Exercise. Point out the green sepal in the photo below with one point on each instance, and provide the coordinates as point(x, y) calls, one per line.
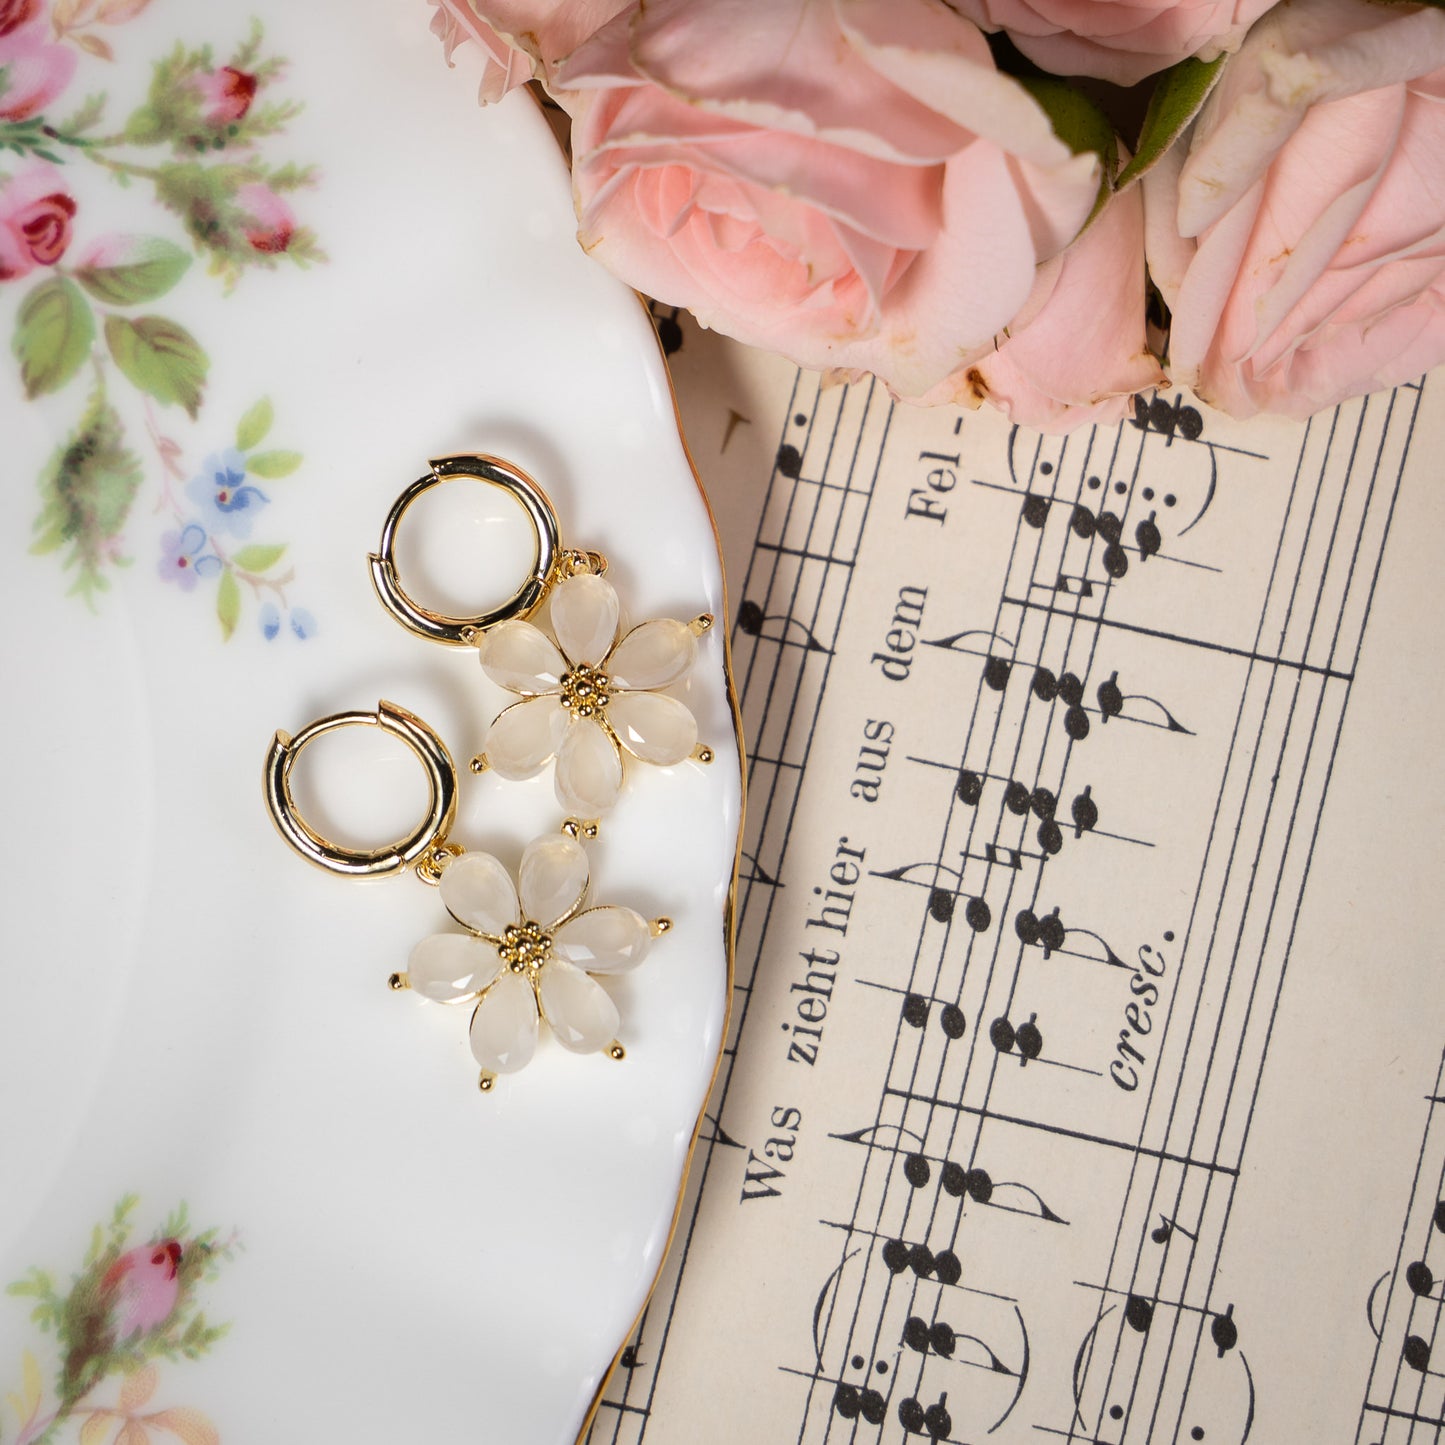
point(1178, 94)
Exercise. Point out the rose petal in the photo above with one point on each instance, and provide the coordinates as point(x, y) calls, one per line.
point(582, 1015)
point(654, 728)
point(589, 770)
point(451, 967)
point(553, 878)
point(477, 891)
point(654, 654)
point(519, 657)
point(525, 735)
point(584, 617)
point(504, 1027)
point(603, 940)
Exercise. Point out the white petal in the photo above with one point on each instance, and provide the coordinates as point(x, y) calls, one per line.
point(504, 1027)
point(525, 735)
point(584, 617)
point(654, 728)
point(477, 891)
point(552, 878)
point(519, 657)
point(653, 654)
point(449, 967)
point(579, 1010)
point(604, 940)
point(589, 770)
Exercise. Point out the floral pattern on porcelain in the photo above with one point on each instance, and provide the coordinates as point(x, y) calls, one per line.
point(529, 954)
point(82, 324)
point(593, 695)
point(130, 1309)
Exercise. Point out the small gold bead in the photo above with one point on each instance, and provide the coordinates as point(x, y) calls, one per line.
point(398, 981)
point(616, 1051)
point(486, 1082)
point(660, 926)
point(479, 764)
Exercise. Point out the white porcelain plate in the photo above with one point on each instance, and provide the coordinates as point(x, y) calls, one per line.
point(255, 274)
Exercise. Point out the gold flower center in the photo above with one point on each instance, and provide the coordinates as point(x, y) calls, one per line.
point(585, 691)
point(526, 946)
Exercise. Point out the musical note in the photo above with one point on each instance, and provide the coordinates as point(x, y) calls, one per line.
point(1167, 1228)
point(1157, 415)
point(1146, 536)
point(1027, 1038)
point(898, 1256)
point(1036, 509)
point(1224, 1332)
point(789, 461)
point(754, 623)
point(935, 1421)
point(995, 672)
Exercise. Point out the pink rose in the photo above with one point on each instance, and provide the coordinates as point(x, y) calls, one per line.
point(226, 94)
point(32, 70)
point(522, 39)
point(270, 222)
point(1298, 233)
point(15, 13)
point(35, 215)
point(849, 182)
point(141, 1287)
point(1118, 40)
point(1078, 350)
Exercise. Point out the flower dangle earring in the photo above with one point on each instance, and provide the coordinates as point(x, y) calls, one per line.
point(589, 695)
point(529, 950)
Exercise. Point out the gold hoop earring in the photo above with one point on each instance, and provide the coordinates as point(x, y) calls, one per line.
point(529, 950)
point(550, 561)
point(441, 776)
point(591, 693)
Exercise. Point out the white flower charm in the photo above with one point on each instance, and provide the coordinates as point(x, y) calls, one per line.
point(528, 954)
point(589, 695)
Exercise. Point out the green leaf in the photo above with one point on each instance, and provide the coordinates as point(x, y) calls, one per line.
point(252, 428)
point(87, 488)
point(150, 268)
point(160, 357)
point(1076, 120)
point(54, 329)
point(1178, 94)
point(273, 464)
point(228, 603)
point(259, 557)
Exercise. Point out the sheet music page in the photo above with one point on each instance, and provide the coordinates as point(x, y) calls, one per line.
point(1084, 1078)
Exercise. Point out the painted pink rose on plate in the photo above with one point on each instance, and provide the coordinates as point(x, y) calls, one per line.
point(851, 183)
point(1114, 40)
point(15, 13)
point(36, 210)
point(142, 1287)
point(33, 70)
point(1298, 232)
point(226, 94)
point(270, 222)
